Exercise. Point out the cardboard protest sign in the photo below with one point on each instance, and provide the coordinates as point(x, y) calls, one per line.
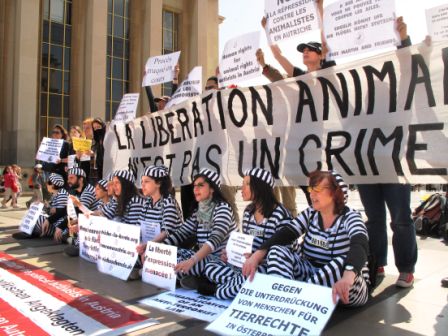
point(158, 268)
point(118, 254)
point(160, 69)
point(354, 27)
point(238, 61)
point(128, 107)
point(188, 303)
point(190, 87)
point(288, 20)
point(276, 306)
point(437, 22)
point(237, 246)
point(82, 145)
point(49, 150)
point(29, 220)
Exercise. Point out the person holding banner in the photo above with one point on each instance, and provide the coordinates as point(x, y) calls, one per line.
point(161, 215)
point(158, 104)
point(262, 218)
point(59, 132)
point(335, 243)
point(77, 133)
point(211, 223)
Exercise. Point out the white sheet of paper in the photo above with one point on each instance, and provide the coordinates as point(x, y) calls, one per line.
point(189, 88)
point(71, 212)
point(437, 22)
point(238, 245)
point(158, 269)
point(49, 150)
point(128, 107)
point(71, 161)
point(160, 69)
point(149, 231)
point(290, 19)
point(238, 61)
point(353, 28)
point(29, 220)
point(89, 236)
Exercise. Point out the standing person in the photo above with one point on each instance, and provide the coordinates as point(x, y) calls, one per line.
point(211, 224)
point(18, 175)
point(160, 211)
point(87, 128)
point(99, 131)
point(158, 104)
point(77, 133)
point(262, 218)
point(335, 243)
point(37, 182)
point(397, 198)
point(59, 132)
point(11, 189)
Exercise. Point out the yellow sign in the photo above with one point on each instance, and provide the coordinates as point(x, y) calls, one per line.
point(82, 145)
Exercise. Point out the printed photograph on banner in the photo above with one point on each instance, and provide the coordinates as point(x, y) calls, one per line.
point(190, 87)
point(82, 145)
point(287, 20)
point(49, 150)
point(276, 306)
point(238, 61)
point(352, 27)
point(158, 268)
point(238, 245)
point(160, 69)
point(128, 107)
point(437, 22)
point(89, 236)
point(188, 303)
point(117, 254)
point(29, 220)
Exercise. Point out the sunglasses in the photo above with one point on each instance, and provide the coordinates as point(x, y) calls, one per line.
point(317, 189)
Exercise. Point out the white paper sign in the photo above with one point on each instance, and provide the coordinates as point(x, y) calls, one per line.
point(29, 220)
point(188, 303)
point(289, 19)
point(49, 150)
point(160, 69)
point(118, 254)
point(353, 27)
point(238, 245)
point(158, 269)
point(71, 212)
point(238, 61)
point(71, 161)
point(89, 236)
point(190, 87)
point(437, 21)
point(276, 306)
point(128, 107)
point(149, 230)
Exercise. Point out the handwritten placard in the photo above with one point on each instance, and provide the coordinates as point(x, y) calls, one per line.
point(160, 69)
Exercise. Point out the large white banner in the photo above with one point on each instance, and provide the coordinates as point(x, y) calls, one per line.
point(354, 27)
point(238, 61)
point(160, 69)
point(118, 254)
point(437, 22)
point(29, 220)
point(289, 19)
point(378, 120)
point(49, 150)
point(190, 87)
point(276, 306)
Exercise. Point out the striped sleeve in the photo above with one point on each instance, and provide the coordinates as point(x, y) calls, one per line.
point(87, 197)
point(171, 217)
point(133, 210)
point(185, 231)
point(300, 223)
point(223, 224)
point(354, 224)
point(109, 209)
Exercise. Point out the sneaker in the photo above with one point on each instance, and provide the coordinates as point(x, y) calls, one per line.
point(21, 235)
point(72, 251)
point(380, 272)
point(189, 282)
point(405, 280)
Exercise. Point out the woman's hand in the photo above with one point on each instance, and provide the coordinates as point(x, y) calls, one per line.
point(342, 287)
point(45, 228)
point(251, 264)
point(141, 248)
point(73, 229)
point(184, 266)
point(224, 255)
point(75, 200)
point(58, 235)
point(52, 211)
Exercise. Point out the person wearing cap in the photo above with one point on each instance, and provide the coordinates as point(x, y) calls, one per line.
point(158, 104)
point(335, 243)
point(211, 224)
point(262, 218)
point(37, 181)
point(161, 102)
point(161, 214)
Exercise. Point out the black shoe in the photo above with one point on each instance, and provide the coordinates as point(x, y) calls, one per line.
point(445, 282)
point(189, 282)
point(206, 287)
point(21, 235)
point(72, 251)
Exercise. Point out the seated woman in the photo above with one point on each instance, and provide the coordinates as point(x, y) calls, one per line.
point(211, 224)
point(262, 218)
point(335, 244)
point(161, 215)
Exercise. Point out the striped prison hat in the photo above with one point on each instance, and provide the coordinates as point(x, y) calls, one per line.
point(76, 171)
point(262, 175)
point(156, 171)
point(103, 184)
point(211, 175)
point(125, 174)
point(56, 180)
point(341, 183)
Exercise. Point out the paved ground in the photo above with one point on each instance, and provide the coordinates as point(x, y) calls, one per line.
point(422, 310)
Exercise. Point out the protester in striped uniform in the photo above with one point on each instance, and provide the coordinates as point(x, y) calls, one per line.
point(57, 213)
point(261, 219)
point(161, 214)
point(211, 224)
point(335, 247)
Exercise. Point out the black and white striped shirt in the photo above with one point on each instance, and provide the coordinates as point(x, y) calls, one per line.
point(87, 197)
point(278, 219)
point(164, 212)
point(59, 200)
point(214, 234)
point(131, 214)
point(322, 245)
